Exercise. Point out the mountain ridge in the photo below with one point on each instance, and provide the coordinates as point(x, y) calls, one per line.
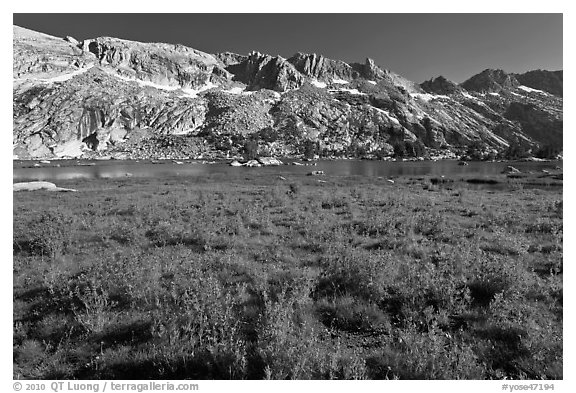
point(111, 96)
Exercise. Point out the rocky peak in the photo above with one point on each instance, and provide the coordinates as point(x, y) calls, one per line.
point(440, 85)
point(162, 64)
point(260, 71)
point(490, 81)
point(41, 56)
point(549, 81)
point(309, 65)
point(322, 68)
point(372, 71)
point(229, 58)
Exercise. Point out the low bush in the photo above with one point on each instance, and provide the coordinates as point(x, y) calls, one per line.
point(250, 278)
point(49, 234)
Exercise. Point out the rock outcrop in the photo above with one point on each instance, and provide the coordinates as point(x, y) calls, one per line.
point(490, 81)
point(39, 185)
point(441, 85)
point(321, 68)
point(260, 71)
point(162, 64)
point(548, 81)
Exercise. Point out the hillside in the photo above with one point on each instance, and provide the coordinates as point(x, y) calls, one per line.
point(112, 97)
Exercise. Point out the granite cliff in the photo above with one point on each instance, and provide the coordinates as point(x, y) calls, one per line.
point(108, 96)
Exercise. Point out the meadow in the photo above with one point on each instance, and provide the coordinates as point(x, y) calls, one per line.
point(263, 277)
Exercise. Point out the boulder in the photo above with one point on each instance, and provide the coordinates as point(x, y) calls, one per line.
point(511, 169)
point(252, 163)
point(39, 185)
point(316, 173)
point(72, 40)
point(119, 156)
point(235, 163)
point(267, 161)
point(72, 148)
point(34, 147)
point(118, 135)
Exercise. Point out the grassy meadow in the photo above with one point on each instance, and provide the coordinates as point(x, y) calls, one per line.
point(261, 277)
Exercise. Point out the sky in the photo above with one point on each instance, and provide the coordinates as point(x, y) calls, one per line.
point(416, 46)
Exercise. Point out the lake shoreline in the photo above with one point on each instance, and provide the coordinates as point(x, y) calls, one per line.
point(474, 174)
point(287, 161)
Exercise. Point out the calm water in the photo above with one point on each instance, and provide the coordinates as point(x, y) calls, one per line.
point(114, 169)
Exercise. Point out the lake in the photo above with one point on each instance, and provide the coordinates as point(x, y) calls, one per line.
point(72, 169)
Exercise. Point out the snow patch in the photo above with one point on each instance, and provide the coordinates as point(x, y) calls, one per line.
point(65, 77)
point(319, 84)
point(146, 83)
point(467, 95)
point(184, 132)
point(235, 90)
point(494, 94)
point(531, 90)
point(192, 93)
point(427, 97)
point(422, 96)
point(340, 81)
point(353, 91)
point(498, 139)
point(59, 78)
point(392, 118)
point(372, 82)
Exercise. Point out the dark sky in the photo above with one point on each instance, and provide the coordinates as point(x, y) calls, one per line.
point(417, 46)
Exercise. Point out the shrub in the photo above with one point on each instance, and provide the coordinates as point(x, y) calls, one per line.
point(292, 346)
point(167, 234)
point(94, 315)
point(49, 234)
point(293, 189)
point(124, 233)
point(352, 315)
point(250, 149)
point(268, 134)
point(201, 334)
point(351, 273)
point(433, 355)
